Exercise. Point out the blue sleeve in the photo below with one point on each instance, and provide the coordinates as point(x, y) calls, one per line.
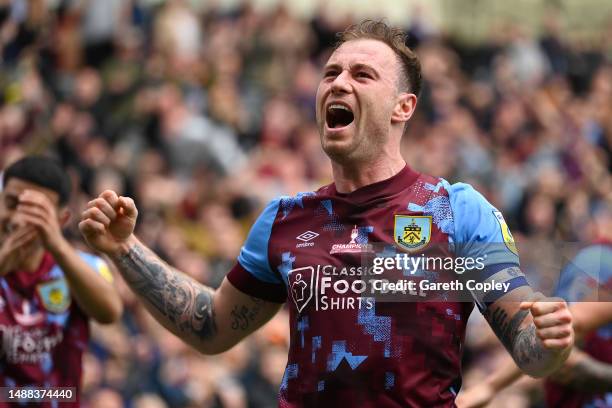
point(481, 233)
point(97, 264)
point(479, 228)
point(254, 253)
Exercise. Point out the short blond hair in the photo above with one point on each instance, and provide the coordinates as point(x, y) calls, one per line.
point(395, 38)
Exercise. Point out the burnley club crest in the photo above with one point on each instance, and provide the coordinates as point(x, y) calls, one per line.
point(412, 232)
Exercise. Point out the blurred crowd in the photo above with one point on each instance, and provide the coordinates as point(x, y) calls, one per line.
point(203, 114)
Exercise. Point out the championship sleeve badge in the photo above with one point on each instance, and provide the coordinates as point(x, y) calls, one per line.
point(506, 234)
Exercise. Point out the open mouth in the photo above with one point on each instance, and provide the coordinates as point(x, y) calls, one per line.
point(338, 116)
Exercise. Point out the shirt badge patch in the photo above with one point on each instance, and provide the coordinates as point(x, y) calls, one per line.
point(412, 232)
point(506, 234)
point(357, 244)
point(301, 282)
point(104, 270)
point(55, 295)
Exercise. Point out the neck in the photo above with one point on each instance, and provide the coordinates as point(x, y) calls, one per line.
point(32, 262)
point(348, 177)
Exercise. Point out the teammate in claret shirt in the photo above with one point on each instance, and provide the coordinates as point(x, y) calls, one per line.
point(350, 346)
point(48, 290)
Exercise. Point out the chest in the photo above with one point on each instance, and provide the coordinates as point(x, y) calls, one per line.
point(337, 234)
point(47, 303)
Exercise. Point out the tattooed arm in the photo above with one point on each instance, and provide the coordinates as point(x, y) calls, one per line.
point(537, 333)
point(210, 321)
point(587, 374)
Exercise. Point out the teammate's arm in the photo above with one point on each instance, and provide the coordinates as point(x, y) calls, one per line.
point(537, 333)
point(481, 394)
point(584, 373)
point(210, 321)
point(588, 316)
point(94, 294)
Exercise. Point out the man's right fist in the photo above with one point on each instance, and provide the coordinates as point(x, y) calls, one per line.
point(108, 222)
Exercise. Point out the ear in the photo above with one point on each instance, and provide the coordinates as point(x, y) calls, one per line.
point(64, 216)
point(404, 107)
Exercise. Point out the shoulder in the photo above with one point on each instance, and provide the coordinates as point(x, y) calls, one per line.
point(97, 264)
point(475, 218)
point(286, 204)
point(91, 259)
point(463, 197)
point(470, 208)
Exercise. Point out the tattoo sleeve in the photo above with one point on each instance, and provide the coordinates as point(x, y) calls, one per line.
point(522, 343)
point(185, 306)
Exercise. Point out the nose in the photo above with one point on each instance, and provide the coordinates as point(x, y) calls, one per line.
point(341, 83)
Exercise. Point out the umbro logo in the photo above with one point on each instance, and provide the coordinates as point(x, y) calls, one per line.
point(305, 237)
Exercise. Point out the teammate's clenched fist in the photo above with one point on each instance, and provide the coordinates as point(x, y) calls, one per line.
point(108, 222)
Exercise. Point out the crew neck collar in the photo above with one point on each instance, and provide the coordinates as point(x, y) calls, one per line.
point(394, 184)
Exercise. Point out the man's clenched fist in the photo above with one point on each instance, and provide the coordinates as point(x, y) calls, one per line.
point(108, 222)
point(553, 322)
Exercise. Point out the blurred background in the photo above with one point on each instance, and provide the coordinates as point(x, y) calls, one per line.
point(204, 110)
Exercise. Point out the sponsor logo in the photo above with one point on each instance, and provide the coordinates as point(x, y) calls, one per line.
point(327, 287)
point(28, 346)
point(412, 232)
point(301, 286)
point(506, 234)
point(306, 237)
point(357, 244)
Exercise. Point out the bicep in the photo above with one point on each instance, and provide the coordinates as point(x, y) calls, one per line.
point(237, 314)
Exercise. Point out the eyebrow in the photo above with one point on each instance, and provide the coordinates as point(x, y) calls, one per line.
point(366, 67)
point(354, 67)
point(331, 66)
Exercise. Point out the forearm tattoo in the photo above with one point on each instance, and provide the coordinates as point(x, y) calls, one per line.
point(187, 305)
point(528, 349)
point(523, 344)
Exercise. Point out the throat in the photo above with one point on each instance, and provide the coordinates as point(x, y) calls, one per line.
point(348, 178)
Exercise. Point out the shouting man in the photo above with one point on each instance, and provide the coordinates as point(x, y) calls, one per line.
point(349, 346)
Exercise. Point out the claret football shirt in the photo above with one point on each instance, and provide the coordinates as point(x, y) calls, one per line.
point(355, 339)
point(43, 330)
